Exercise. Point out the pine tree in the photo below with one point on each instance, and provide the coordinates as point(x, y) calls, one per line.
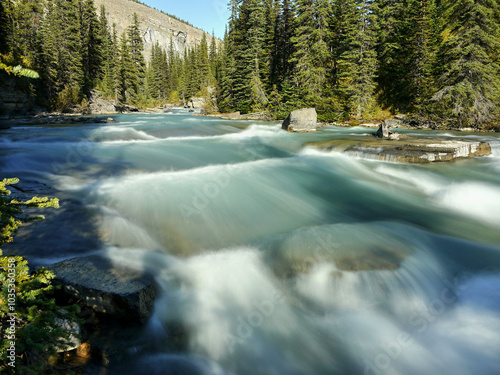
point(26, 15)
point(355, 56)
point(61, 62)
point(226, 99)
point(173, 69)
point(203, 62)
point(311, 58)
point(469, 84)
point(5, 26)
point(408, 39)
point(270, 53)
point(92, 45)
point(285, 33)
point(213, 57)
point(136, 46)
point(109, 55)
point(247, 46)
point(127, 77)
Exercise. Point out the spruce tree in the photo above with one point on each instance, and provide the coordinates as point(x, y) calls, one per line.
point(61, 62)
point(136, 46)
point(408, 41)
point(356, 58)
point(213, 56)
point(285, 33)
point(311, 58)
point(128, 80)
point(469, 83)
point(93, 35)
point(108, 55)
point(248, 89)
point(203, 62)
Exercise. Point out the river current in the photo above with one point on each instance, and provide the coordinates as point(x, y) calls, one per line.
point(279, 259)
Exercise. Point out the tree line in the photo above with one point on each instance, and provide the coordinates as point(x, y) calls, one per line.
point(74, 50)
point(355, 58)
point(350, 59)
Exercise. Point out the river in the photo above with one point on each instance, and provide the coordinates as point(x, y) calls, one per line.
point(279, 259)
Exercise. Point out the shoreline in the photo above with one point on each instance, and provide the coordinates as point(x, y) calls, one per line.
point(57, 118)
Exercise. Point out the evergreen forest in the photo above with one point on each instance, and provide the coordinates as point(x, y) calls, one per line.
point(350, 59)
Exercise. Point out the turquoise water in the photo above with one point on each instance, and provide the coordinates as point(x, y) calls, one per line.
point(279, 259)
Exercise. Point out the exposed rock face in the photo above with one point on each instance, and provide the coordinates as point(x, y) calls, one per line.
point(301, 120)
point(408, 149)
point(106, 288)
point(100, 106)
point(156, 26)
point(14, 101)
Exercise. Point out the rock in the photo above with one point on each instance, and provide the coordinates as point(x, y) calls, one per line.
point(14, 101)
point(198, 102)
point(394, 136)
point(100, 106)
point(74, 330)
point(383, 131)
point(106, 288)
point(393, 123)
point(126, 108)
point(257, 116)
point(231, 116)
point(301, 120)
point(407, 149)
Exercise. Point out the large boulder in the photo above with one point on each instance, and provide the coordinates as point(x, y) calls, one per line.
point(106, 288)
point(301, 120)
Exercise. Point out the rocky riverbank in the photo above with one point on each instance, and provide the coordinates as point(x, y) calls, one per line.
point(115, 301)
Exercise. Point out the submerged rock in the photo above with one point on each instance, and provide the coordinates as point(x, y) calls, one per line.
point(106, 288)
point(301, 120)
point(406, 149)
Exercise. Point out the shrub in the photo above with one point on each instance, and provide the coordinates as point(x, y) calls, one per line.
point(28, 311)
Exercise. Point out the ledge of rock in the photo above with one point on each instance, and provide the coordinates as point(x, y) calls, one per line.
point(301, 120)
point(106, 288)
point(407, 149)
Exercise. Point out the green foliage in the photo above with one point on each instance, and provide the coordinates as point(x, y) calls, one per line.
point(26, 300)
point(468, 86)
point(355, 56)
point(66, 99)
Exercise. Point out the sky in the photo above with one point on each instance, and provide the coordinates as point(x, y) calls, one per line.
point(207, 15)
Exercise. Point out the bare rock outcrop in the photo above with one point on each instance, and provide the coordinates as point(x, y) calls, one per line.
point(156, 27)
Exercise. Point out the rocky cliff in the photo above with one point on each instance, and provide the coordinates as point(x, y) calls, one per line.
point(155, 25)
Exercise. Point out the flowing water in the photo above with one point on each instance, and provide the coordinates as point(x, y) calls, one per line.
point(278, 259)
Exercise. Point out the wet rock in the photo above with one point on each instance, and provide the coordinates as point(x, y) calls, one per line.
point(407, 149)
point(383, 130)
point(74, 331)
point(94, 281)
point(231, 116)
point(301, 120)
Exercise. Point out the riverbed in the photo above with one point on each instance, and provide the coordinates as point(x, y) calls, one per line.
point(274, 257)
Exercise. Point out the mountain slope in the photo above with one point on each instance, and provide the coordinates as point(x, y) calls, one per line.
point(155, 25)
